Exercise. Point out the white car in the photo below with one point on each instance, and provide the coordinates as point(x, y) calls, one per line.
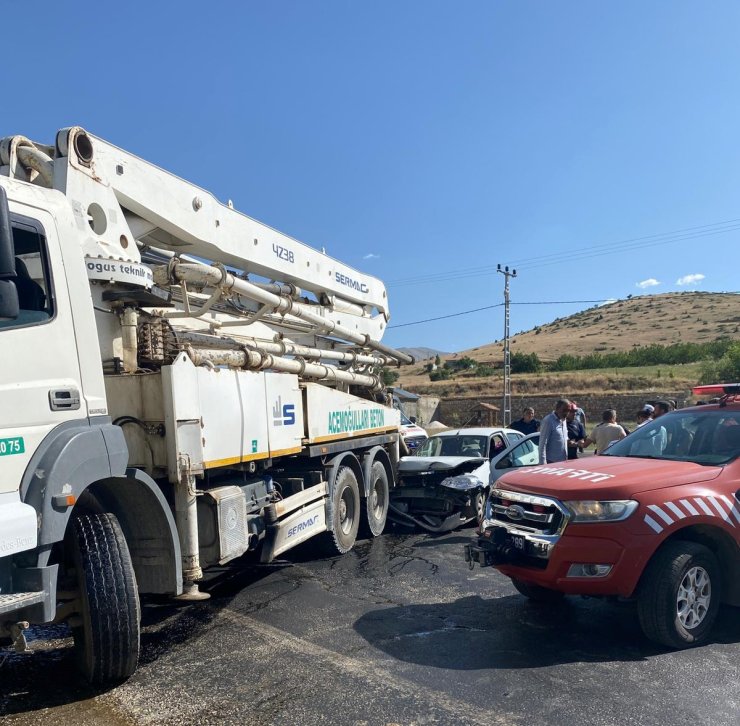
point(446, 483)
point(413, 435)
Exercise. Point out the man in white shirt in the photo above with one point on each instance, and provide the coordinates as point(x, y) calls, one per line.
point(554, 434)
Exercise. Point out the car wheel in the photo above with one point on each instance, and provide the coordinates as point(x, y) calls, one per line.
point(679, 595)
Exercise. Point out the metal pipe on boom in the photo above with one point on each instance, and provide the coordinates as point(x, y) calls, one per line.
point(217, 277)
point(254, 360)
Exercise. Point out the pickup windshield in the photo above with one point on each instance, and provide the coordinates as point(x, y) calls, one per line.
point(710, 437)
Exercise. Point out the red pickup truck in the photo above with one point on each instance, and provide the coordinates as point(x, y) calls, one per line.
point(655, 518)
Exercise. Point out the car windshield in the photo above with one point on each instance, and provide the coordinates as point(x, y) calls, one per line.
point(710, 437)
point(405, 420)
point(459, 445)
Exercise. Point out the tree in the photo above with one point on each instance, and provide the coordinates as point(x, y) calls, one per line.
point(437, 360)
point(724, 370)
point(525, 363)
point(389, 377)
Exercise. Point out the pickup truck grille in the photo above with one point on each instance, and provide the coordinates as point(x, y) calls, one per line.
point(527, 512)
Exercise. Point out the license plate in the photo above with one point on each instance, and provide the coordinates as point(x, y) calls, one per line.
point(519, 542)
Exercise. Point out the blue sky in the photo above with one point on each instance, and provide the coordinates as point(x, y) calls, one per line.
point(415, 139)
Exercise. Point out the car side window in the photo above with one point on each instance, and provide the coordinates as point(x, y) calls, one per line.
point(32, 278)
point(525, 454)
point(498, 444)
point(514, 437)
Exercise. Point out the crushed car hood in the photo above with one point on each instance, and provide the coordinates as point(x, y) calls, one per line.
point(605, 477)
point(449, 464)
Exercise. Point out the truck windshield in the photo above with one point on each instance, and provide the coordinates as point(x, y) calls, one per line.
point(710, 437)
point(454, 446)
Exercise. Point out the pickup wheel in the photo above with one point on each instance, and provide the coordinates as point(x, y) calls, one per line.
point(376, 502)
point(344, 514)
point(106, 633)
point(537, 593)
point(679, 595)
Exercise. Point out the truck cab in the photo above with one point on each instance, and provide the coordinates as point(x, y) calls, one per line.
point(655, 518)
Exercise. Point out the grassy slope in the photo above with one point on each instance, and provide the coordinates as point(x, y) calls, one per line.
point(664, 319)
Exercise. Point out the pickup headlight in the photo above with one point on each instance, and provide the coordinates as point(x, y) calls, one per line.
point(590, 511)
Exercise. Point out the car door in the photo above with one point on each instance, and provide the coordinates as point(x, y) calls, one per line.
point(523, 453)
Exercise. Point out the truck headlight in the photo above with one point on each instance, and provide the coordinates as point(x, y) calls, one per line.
point(592, 511)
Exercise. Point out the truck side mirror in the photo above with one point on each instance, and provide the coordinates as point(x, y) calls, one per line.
point(8, 293)
point(413, 419)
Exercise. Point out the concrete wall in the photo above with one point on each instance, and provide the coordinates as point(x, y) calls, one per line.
point(424, 410)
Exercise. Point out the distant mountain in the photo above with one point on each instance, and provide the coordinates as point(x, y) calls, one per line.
point(423, 353)
point(675, 317)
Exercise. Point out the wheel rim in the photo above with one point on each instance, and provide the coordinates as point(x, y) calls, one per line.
point(693, 598)
point(377, 499)
point(346, 511)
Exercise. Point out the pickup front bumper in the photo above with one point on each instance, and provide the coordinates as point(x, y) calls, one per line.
point(501, 544)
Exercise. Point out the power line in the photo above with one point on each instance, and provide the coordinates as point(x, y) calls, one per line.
point(590, 251)
point(498, 305)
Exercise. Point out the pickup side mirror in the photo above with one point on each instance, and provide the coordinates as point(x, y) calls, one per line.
point(8, 293)
point(504, 463)
point(413, 419)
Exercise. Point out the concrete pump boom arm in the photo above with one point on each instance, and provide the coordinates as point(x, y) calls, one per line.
point(171, 213)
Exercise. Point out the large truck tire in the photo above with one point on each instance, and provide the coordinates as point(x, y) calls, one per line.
point(679, 595)
point(537, 593)
point(107, 637)
point(344, 514)
point(376, 502)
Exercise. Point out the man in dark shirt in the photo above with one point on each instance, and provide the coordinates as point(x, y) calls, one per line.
point(576, 432)
point(527, 424)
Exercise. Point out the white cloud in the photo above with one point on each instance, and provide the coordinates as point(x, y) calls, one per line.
point(650, 282)
point(371, 256)
point(690, 279)
point(607, 302)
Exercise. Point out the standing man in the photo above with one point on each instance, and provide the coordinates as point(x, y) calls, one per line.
point(554, 434)
point(576, 432)
point(527, 424)
point(606, 432)
point(645, 415)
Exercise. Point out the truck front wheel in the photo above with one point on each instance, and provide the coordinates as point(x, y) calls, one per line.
point(679, 595)
point(537, 593)
point(106, 631)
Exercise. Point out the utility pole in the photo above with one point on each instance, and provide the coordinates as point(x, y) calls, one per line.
point(507, 352)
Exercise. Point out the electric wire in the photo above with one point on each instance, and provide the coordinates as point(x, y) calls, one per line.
point(497, 305)
point(608, 248)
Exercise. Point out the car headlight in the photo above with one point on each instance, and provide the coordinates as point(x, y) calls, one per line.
point(591, 511)
point(463, 482)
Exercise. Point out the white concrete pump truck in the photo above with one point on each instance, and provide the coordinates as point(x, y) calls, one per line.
point(179, 385)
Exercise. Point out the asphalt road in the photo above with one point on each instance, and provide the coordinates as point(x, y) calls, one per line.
point(398, 631)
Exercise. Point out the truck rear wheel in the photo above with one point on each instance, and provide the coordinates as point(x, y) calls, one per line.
point(107, 638)
point(537, 593)
point(679, 595)
point(344, 513)
point(376, 502)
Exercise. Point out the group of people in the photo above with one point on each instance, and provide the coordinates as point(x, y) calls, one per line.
point(563, 431)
